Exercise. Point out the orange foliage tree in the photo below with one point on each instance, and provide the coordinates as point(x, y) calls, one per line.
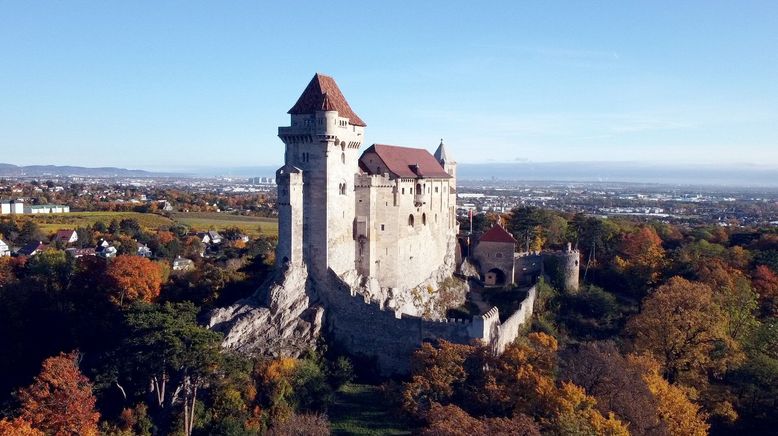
point(520, 382)
point(452, 420)
point(133, 278)
point(641, 256)
point(765, 282)
point(18, 427)
point(680, 324)
point(60, 400)
point(7, 275)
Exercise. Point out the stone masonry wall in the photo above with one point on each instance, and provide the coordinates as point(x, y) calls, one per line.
point(509, 330)
point(390, 337)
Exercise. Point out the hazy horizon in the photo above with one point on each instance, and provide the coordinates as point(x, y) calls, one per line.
point(736, 175)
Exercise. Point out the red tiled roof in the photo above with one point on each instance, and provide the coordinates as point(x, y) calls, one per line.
point(323, 94)
point(497, 234)
point(63, 234)
point(408, 162)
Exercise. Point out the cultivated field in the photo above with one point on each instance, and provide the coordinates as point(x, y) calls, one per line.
point(251, 225)
point(53, 222)
point(197, 221)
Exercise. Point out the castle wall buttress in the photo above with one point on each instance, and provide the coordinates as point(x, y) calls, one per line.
point(290, 215)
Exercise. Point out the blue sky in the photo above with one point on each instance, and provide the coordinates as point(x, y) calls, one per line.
point(165, 85)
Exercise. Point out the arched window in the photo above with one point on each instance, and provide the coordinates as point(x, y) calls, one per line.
point(410, 220)
point(418, 189)
point(424, 219)
point(343, 145)
point(343, 158)
point(342, 188)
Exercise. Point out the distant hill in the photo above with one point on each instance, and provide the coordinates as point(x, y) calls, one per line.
point(9, 170)
point(631, 172)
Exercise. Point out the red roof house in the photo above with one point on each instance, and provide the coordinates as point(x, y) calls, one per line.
point(65, 236)
point(497, 234)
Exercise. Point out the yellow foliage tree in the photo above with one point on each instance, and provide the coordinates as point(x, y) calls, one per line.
point(677, 412)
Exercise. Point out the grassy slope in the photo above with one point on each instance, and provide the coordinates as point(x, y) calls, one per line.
point(363, 410)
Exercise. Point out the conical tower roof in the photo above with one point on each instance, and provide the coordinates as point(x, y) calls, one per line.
point(440, 153)
point(322, 93)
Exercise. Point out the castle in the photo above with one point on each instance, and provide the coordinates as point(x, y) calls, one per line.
point(367, 248)
point(388, 213)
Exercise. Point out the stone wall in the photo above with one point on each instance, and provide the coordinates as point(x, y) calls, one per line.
point(390, 337)
point(509, 330)
point(528, 266)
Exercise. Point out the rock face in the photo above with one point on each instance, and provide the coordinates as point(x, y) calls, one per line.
point(281, 319)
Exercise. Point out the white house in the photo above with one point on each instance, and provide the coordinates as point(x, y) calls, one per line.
point(183, 264)
point(4, 249)
point(12, 207)
point(144, 251)
point(34, 209)
point(216, 238)
point(66, 236)
point(203, 237)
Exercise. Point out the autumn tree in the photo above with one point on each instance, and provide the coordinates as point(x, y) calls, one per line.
point(525, 374)
point(133, 278)
point(452, 420)
point(641, 257)
point(18, 427)
point(7, 273)
point(436, 373)
point(765, 282)
point(518, 382)
point(60, 400)
point(679, 415)
point(733, 294)
point(615, 382)
point(680, 325)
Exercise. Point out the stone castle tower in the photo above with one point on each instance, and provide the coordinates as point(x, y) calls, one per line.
point(316, 183)
point(388, 214)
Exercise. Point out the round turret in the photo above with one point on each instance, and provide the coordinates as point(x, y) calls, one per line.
point(570, 269)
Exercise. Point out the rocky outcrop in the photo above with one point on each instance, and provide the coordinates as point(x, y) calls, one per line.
point(281, 319)
point(284, 316)
point(469, 270)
